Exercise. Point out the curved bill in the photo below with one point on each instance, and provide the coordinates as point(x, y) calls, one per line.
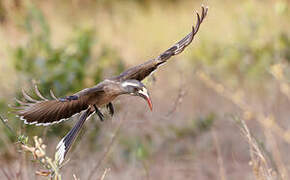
point(144, 94)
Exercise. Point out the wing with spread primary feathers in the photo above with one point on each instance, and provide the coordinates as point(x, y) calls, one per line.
point(47, 112)
point(143, 70)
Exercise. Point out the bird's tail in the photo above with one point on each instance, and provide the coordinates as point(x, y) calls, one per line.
point(66, 142)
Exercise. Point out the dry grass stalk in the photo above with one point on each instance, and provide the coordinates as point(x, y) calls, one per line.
point(268, 123)
point(260, 166)
point(6, 174)
point(277, 155)
point(238, 98)
point(105, 173)
point(39, 154)
point(277, 71)
point(181, 93)
point(75, 177)
point(178, 101)
point(107, 151)
point(220, 159)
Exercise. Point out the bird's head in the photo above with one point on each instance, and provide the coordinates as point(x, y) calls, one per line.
point(136, 88)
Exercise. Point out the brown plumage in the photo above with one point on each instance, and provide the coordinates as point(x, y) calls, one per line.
point(141, 71)
point(46, 112)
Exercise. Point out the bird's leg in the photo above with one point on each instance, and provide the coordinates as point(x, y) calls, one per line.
point(99, 113)
point(110, 107)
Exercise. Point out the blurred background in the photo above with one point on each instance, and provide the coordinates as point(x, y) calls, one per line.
point(221, 108)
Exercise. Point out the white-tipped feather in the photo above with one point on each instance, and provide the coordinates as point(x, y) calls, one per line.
point(61, 148)
point(60, 151)
point(45, 124)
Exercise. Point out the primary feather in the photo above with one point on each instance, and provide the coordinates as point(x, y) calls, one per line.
point(46, 112)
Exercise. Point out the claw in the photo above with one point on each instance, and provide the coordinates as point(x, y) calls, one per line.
point(99, 113)
point(110, 107)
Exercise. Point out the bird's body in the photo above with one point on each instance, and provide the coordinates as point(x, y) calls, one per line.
point(47, 112)
point(102, 93)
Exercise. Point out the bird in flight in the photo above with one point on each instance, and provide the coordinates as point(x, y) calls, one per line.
point(88, 101)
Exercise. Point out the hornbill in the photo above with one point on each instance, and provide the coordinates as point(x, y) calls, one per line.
point(47, 112)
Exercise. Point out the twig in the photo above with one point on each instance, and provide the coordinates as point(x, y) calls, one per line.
point(75, 177)
point(178, 101)
point(259, 163)
point(146, 169)
point(281, 168)
point(220, 159)
point(19, 172)
point(105, 173)
point(39, 153)
point(96, 167)
point(6, 174)
point(7, 126)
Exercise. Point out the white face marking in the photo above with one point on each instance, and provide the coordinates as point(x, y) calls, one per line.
point(144, 92)
point(124, 84)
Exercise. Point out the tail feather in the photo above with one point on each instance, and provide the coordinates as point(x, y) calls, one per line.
point(66, 142)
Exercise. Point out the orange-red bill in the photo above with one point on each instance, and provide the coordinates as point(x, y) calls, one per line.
point(144, 94)
point(149, 103)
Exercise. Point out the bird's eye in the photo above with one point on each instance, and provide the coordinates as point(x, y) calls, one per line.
point(132, 89)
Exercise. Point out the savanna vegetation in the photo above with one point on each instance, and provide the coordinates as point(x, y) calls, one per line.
point(220, 109)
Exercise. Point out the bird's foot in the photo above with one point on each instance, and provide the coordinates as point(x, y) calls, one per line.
point(99, 113)
point(110, 107)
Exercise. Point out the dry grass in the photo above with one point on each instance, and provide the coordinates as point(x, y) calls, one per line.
point(191, 133)
point(38, 152)
point(261, 167)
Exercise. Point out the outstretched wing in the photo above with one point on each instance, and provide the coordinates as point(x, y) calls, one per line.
point(143, 70)
point(46, 112)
